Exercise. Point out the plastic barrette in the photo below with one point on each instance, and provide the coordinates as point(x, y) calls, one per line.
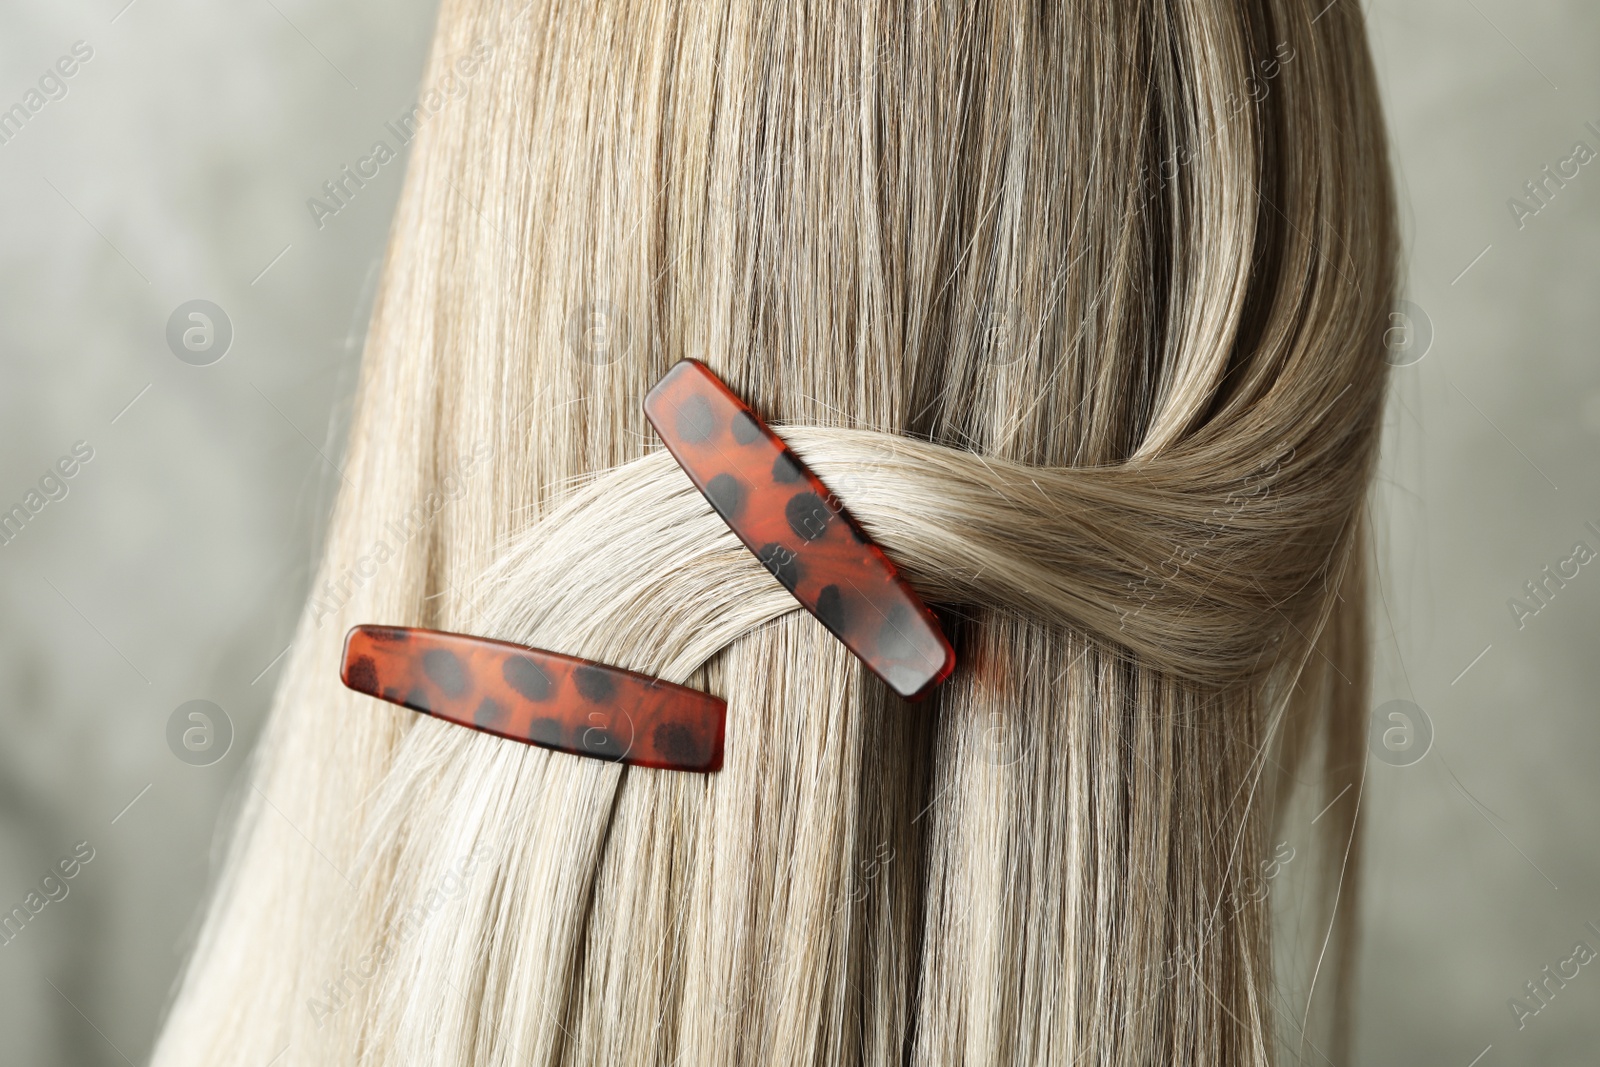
point(799, 530)
point(537, 697)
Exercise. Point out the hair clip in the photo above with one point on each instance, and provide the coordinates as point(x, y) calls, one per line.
point(538, 697)
point(798, 529)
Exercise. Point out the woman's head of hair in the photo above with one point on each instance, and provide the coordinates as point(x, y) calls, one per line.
point(1078, 308)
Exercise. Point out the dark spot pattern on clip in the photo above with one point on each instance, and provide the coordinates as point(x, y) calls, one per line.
point(726, 495)
point(831, 609)
point(786, 469)
point(594, 683)
point(489, 715)
point(807, 515)
point(441, 665)
point(696, 421)
point(527, 677)
point(362, 675)
point(746, 430)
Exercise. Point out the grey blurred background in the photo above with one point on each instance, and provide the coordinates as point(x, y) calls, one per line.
point(174, 165)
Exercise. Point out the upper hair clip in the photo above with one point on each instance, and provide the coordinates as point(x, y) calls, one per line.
point(537, 697)
point(798, 529)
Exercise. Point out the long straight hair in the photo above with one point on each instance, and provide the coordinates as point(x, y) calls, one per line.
point(1079, 308)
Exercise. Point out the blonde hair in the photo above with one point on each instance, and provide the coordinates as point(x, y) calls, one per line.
point(1079, 309)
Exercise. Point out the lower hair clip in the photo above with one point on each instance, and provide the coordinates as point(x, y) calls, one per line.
point(539, 698)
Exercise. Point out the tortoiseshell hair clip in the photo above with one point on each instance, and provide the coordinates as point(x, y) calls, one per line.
point(539, 698)
point(798, 529)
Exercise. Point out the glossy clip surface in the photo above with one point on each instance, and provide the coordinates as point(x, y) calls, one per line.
point(541, 698)
point(798, 529)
